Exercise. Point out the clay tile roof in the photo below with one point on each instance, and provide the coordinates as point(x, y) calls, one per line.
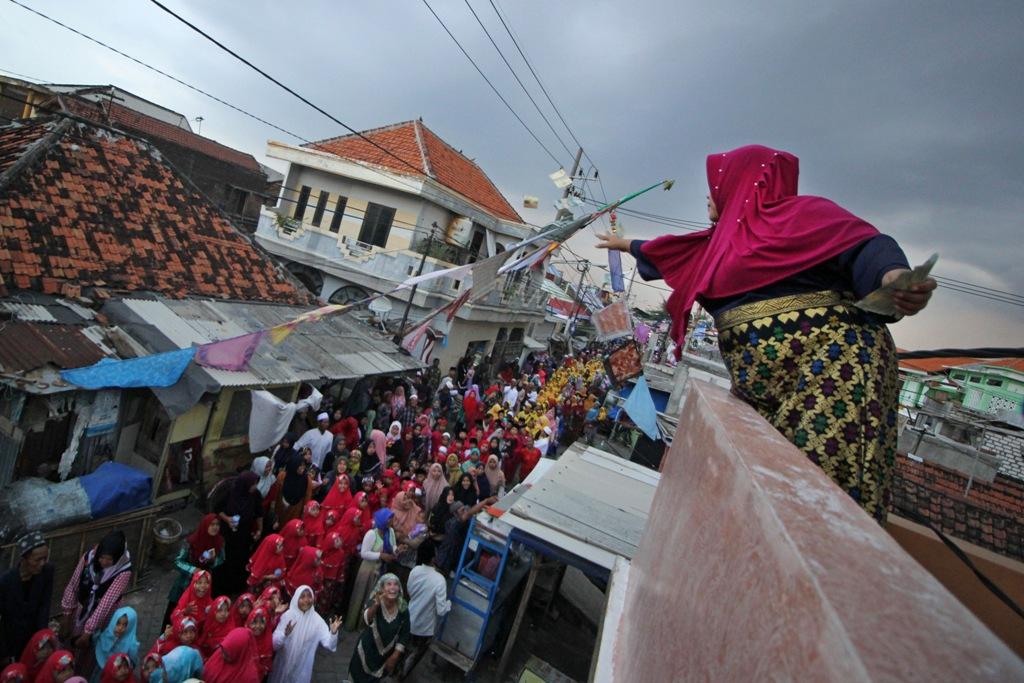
point(102, 210)
point(129, 120)
point(427, 155)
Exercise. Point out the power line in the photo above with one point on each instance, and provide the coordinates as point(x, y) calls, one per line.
point(484, 76)
point(281, 85)
point(943, 278)
point(518, 80)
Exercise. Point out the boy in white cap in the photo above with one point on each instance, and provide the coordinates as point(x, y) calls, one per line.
point(318, 440)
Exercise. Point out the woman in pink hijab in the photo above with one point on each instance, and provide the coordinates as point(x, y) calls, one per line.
point(380, 442)
point(780, 272)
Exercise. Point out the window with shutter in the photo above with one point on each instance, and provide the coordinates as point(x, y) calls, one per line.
point(376, 225)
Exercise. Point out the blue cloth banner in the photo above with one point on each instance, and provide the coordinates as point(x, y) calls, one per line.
point(615, 270)
point(158, 370)
point(640, 408)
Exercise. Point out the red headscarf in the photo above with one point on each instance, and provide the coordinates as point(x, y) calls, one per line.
point(199, 604)
point(179, 623)
point(237, 618)
point(15, 673)
point(236, 661)
point(266, 560)
point(264, 602)
point(113, 661)
point(28, 655)
point(765, 232)
point(264, 641)
point(294, 536)
point(340, 496)
point(213, 630)
point(55, 663)
point(200, 541)
point(313, 524)
point(350, 528)
point(306, 570)
point(349, 430)
point(333, 560)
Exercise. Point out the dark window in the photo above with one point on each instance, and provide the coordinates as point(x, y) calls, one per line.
point(994, 383)
point(300, 203)
point(475, 244)
point(339, 212)
point(376, 225)
point(12, 103)
point(975, 379)
point(321, 205)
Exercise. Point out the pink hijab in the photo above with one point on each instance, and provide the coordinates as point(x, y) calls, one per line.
point(765, 232)
point(380, 441)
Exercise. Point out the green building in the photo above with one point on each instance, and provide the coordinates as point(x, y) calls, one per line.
point(990, 388)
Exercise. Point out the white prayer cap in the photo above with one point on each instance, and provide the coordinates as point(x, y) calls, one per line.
point(442, 449)
point(322, 417)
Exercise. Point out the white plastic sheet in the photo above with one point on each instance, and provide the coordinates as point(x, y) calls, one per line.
point(271, 417)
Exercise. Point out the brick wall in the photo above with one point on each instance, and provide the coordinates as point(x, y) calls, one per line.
point(991, 515)
point(1010, 449)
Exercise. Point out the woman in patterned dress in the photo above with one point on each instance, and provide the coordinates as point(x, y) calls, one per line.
point(779, 273)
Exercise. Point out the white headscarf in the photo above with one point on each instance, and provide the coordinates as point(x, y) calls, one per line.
point(309, 632)
point(265, 482)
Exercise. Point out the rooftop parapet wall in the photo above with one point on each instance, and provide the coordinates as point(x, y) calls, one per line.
point(755, 566)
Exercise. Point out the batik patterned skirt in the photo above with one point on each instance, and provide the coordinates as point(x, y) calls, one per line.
point(826, 376)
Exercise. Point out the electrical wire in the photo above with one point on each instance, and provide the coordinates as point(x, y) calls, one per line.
point(943, 278)
point(484, 76)
point(518, 80)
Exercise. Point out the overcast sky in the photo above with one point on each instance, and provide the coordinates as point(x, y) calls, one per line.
point(908, 113)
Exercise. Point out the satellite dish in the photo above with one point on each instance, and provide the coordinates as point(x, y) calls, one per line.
point(380, 307)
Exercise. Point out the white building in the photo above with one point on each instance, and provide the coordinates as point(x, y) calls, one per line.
point(352, 221)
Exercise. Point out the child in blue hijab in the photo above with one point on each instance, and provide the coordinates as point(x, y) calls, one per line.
point(179, 665)
point(118, 636)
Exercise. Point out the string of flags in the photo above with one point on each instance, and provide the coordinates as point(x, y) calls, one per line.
point(234, 353)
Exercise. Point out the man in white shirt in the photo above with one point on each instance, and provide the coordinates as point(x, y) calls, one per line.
point(510, 396)
point(318, 440)
point(428, 602)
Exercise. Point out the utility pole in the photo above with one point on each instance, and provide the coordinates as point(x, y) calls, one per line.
point(412, 292)
point(574, 171)
point(583, 267)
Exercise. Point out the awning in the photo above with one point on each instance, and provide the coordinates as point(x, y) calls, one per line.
point(568, 506)
point(334, 348)
point(533, 345)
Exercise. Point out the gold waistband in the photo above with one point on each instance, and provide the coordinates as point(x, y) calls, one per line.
point(745, 313)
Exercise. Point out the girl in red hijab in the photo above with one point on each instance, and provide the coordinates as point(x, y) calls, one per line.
point(270, 600)
point(57, 668)
point(216, 626)
point(203, 547)
point(340, 495)
point(780, 272)
point(267, 564)
point(259, 625)
point(312, 523)
point(350, 528)
point(40, 646)
point(294, 535)
point(240, 610)
point(195, 602)
point(118, 669)
point(235, 661)
point(15, 673)
point(306, 571)
point(184, 630)
point(333, 557)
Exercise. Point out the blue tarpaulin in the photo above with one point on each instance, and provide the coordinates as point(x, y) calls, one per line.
point(158, 370)
point(114, 488)
point(660, 400)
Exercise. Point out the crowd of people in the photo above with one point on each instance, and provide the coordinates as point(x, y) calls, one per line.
point(360, 520)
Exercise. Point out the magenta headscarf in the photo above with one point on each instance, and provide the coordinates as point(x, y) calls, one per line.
point(765, 232)
point(379, 440)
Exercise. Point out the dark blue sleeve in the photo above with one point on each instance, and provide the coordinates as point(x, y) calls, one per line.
point(647, 270)
point(866, 263)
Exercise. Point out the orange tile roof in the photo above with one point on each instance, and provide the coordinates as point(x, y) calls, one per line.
point(936, 365)
point(129, 120)
point(427, 155)
point(101, 210)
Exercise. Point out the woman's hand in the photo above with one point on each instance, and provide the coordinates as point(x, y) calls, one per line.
point(288, 629)
point(335, 624)
point(391, 662)
point(607, 240)
point(913, 300)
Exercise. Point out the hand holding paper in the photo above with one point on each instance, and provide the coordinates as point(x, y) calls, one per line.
point(903, 292)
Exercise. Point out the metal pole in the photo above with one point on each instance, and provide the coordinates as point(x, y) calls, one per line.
point(412, 292)
point(518, 621)
point(577, 300)
point(574, 171)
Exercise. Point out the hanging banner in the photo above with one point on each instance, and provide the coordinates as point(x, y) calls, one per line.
point(411, 340)
point(231, 354)
point(613, 322)
point(615, 270)
point(455, 273)
point(624, 363)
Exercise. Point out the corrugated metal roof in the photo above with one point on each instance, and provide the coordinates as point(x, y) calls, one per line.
point(26, 346)
point(572, 505)
point(333, 348)
point(28, 312)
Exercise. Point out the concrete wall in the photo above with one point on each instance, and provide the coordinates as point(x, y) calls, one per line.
point(755, 566)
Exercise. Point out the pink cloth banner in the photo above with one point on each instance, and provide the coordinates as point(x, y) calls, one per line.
point(231, 354)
